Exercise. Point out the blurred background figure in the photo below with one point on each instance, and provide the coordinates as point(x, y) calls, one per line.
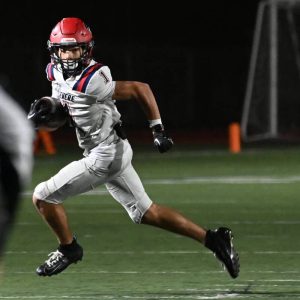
point(16, 159)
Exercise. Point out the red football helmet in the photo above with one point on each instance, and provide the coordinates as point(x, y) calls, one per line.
point(71, 32)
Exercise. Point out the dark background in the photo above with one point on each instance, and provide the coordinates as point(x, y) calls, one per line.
point(194, 54)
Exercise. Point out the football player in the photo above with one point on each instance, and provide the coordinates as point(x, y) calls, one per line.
point(86, 89)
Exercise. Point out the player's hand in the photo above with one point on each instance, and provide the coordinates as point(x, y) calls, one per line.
point(48, 113)
point(39, 111)
point(161, 140)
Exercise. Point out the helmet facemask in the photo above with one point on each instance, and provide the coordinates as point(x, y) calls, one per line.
point(71, 67)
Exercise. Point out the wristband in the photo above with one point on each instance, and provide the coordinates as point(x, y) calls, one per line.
point(152, 123)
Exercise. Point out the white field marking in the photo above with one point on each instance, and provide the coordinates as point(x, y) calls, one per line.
point(225, 290)
point(227, 180)
point(218, 296)
point(178, 252)
point(122, 272)
point(278, 222)
point(97, 192)
point(277, 252)
point(207, 180)
point(58, 297)
point(275, 280)
point(151, 296)
point(282, 222)
point(95, 211)
point(175, 272)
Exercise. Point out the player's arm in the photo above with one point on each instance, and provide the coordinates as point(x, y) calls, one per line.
point(142, 93)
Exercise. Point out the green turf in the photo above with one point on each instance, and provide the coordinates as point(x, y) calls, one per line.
point(127, 261)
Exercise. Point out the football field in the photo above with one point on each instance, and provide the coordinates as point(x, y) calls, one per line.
point(256, 193)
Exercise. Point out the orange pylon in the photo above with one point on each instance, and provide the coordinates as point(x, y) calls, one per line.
point(44, 137)
point(234, 138)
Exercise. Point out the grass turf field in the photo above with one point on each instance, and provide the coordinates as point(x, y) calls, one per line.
point(256, 193)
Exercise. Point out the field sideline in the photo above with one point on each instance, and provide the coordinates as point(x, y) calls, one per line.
point(256, 193)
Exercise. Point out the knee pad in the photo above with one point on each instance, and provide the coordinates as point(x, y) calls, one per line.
point(137, 211)
point(42, 193)
point(39, 191)
point(135, 214)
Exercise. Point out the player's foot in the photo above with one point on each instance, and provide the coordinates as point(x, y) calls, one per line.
point(60, 259)
point(219, 241)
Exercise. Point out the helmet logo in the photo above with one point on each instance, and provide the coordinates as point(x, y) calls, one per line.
point(68, 40)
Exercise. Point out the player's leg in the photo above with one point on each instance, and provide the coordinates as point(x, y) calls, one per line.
point(48, 198)
point(76, 178)
point(219, 241)
point(128, 190)
point(55, 216)
point(170, 219)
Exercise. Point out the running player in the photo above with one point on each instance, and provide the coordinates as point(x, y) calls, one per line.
point(87, 90)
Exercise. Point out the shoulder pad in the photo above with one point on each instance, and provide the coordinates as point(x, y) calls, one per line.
point(50, 72)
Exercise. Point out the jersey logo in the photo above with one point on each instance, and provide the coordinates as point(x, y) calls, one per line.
point(85, 78)
point(66, 96)
point(50, 72)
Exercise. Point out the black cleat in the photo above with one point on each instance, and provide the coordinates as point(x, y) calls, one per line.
point(219, 241)
point(60, 260)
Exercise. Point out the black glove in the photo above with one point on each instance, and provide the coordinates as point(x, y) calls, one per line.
point(39, 112)
point(47, 112)
point(161, 140)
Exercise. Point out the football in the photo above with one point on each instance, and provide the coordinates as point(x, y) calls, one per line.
point(48, 113)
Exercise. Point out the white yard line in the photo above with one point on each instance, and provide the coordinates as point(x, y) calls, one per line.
point(177, 252)
point(227, 180)
point(218, 296)
point(163, 252)
point(208, 180)
point(168, 272)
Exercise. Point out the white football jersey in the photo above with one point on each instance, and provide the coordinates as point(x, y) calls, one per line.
point(88, 97)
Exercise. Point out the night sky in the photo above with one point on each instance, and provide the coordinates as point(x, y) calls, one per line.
point(145, 41)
